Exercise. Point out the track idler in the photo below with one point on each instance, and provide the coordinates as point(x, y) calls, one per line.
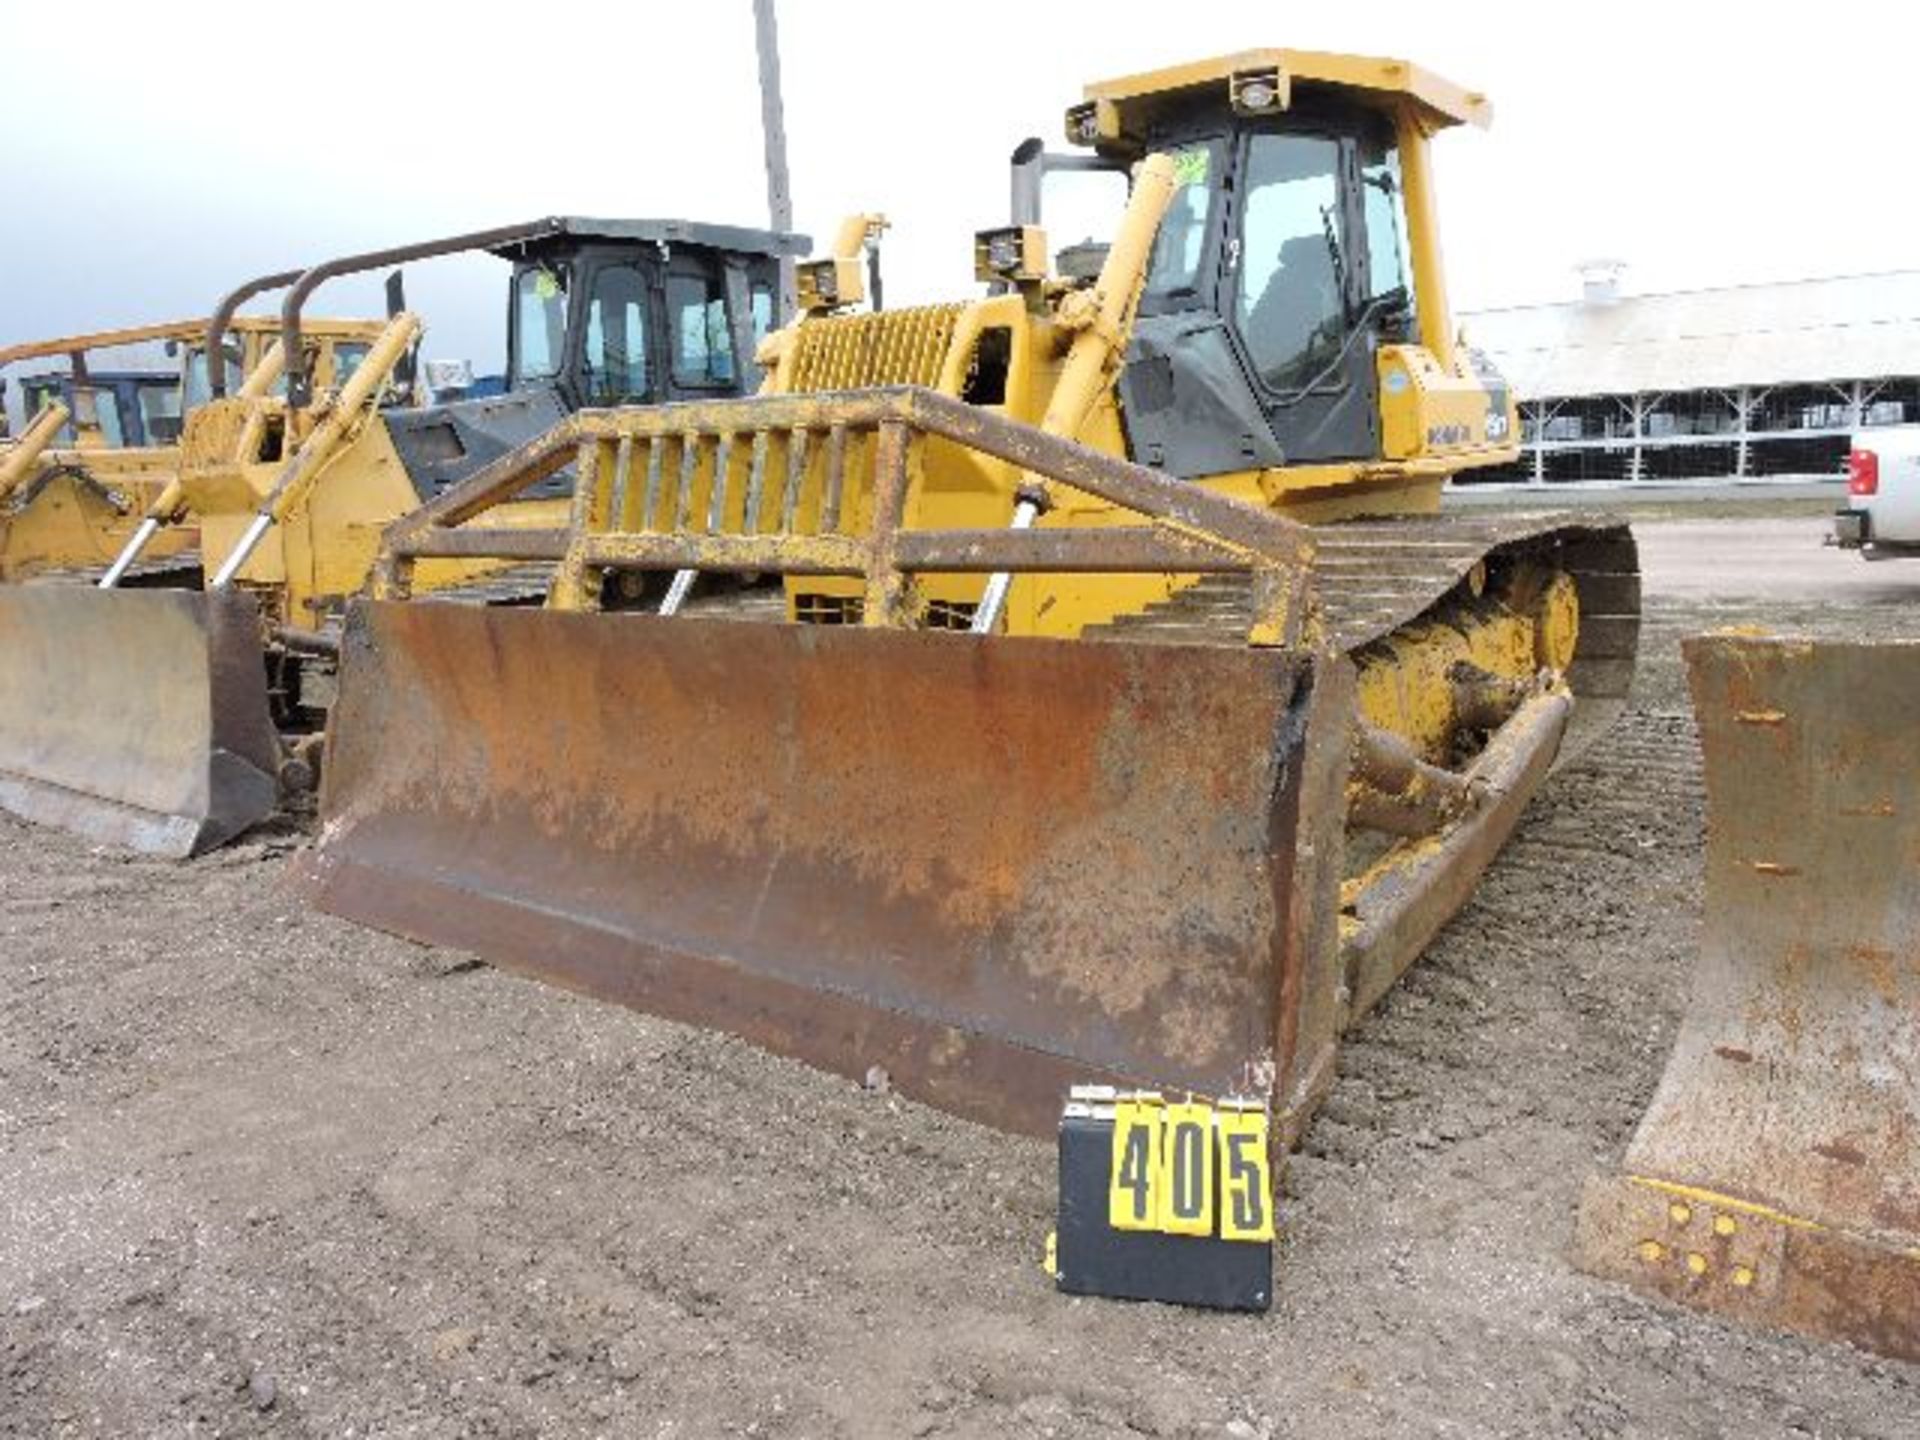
point(1776, 1175)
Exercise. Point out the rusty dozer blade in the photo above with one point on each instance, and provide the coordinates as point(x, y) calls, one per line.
point(135, 717)
point(989, 868)
point(1776, 1175)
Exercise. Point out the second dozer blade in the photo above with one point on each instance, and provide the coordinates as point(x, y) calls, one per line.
point(987, 867)
point(135, 717)
point(1776, 1175)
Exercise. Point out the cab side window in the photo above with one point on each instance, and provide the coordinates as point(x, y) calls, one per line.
point(761, 296)
point(1386, 211)
point(1174, 269)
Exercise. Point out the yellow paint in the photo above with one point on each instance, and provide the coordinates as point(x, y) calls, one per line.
point(1744, 1276)
point(1679, 1213)
point(1376, 80)
point(1065, 344)
point(1246, 1182)
point(82, 521)
point(18, 459)
point(1697, 1196)
point(1132, 1201)
point(1696, 1263)
point(1652, 1251)
point(1724, 1225)
point(1517, 625)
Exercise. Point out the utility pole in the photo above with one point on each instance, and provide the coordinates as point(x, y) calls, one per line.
point(773, 127)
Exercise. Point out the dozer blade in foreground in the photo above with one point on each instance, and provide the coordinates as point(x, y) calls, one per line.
point(987, 868)
point(135, 717)
point(1776, 1176)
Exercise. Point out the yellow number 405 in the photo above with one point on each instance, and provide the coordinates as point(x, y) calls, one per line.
point(1165, 1162)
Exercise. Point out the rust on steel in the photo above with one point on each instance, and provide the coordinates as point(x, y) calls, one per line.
point(78, 345)
point(1399, 911)
point(223, 313)
point(1117, 889)
point(158, 736)
point(1188, 529)
point(674, 845)
point(1776, 1175)
point(1136, 487)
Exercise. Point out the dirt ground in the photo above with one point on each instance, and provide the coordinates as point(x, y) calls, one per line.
point(264, 1173)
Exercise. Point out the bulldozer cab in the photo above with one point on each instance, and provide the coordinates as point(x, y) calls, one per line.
point(1293, 298)
point(637, 312)
point(607, 312)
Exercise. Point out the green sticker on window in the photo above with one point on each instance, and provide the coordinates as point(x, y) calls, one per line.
point(1190, 166)
point(546, 284)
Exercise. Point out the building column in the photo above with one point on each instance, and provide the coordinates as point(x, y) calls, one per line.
point(1742, 417)
point(1636, 465)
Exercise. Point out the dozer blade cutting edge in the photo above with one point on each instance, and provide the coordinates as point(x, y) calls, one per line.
point(1776, 1175)
point(135, 718)
point(990, 869)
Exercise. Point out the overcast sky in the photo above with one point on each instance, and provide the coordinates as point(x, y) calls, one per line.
point(207, 141)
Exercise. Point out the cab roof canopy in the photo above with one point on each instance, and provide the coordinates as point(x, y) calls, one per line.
point(739, 239)
point(1381, 81)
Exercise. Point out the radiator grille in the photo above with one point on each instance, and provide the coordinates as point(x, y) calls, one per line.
point(894, 347)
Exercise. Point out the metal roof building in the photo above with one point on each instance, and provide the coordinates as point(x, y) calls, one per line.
point(1750, 382)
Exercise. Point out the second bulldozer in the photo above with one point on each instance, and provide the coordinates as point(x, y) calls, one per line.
point(173, 721)
point(100, 447)
point(1135, 718)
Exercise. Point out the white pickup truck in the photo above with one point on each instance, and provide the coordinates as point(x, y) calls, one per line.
point(1882, 518)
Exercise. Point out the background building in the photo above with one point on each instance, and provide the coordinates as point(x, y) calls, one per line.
point(1751, 382)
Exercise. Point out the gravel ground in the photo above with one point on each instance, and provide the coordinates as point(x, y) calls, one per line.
point(264, 1173)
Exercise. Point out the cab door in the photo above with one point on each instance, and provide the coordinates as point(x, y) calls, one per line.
point(1293, 293)
point(619, 362)
point(699, 330)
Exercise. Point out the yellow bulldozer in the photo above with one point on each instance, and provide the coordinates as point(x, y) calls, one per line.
point(1126, 712)
point(100, 446)
point(184, 715)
